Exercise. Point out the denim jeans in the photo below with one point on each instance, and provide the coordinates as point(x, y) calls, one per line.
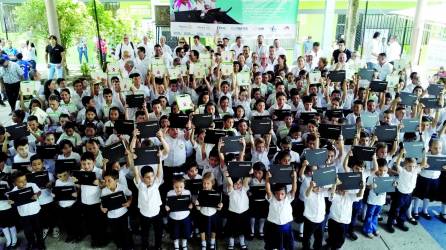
point(54, 69)
point(83, 52)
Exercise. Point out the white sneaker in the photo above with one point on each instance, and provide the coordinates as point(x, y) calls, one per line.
point(55, 232)
point(45, 233)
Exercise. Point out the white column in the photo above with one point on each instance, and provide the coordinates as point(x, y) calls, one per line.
point(51, 14)
point(417, 32)
point(329, 18)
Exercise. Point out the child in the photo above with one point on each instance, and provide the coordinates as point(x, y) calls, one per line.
point(258, 207)
point(70, 134)
point(29, 213)
point(238, 209)
point(45, 199)
point(22, 149)
point(260, 150)
point(427, 184)
point(118, 218)
point(7, 214)
point(340, 215)
point(278, 230)
point(149, 202)
point(66, 146)
point(207, 217)
point(179, 221)
point(407, 179)
point(374, 201)
point(68, 207)
point(54, 110)
point(90, 201)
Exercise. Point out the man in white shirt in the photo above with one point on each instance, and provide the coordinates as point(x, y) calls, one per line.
point(272, 57)
point(197, 45)
point(260, 48)
point(126, 45)
point(383, 67)
point(316, 52)
point(237, 46)
point(264, 65)
point(279, 50)
point(179, 53)
point(393, 50)
point(142, 63)
point(166, 48)
point(373, 50)
point(148, 46)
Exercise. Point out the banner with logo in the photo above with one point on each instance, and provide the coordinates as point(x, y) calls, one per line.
point(274, 18)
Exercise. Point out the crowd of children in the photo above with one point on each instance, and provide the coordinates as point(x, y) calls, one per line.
point(80, 120)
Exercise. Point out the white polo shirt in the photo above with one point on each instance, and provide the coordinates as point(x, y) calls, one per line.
point(91, 195)
point(238, 200)
point(280, 212)
point(180, 215)
point(30, 208)
point(60, 183)
point(46, 195)
point(4, 204)
point(177, 152)
point(116, 213)
point(376, 199)
point(149, 199)
point(407, 180)
point(315, 206)
point(341, 207)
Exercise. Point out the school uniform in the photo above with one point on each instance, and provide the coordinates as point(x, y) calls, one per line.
point(298, 204)
point(357, 206)
point(427, 184)
point(149, 202)
point(258, 208)
point(339, 218)
point(374, 206)
point(262, 156)
point(94, 218)
point(68, 212)
point(179, 222)
point(7, 214)
point(30, 220)
point(314, 215)
point(402, 197)
point(237, 212)
point(278, 230)
point(118, 219)
point(207, 220)
point(47, 205)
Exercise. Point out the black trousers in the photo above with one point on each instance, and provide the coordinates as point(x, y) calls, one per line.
point(120, 232)
point(12, 92)
point(311, 228)
point(336, 234)
point(33, 230)
point(95, 222)
point(398, 207)
point(157, 223)
point(68, 220)
point(47, 215)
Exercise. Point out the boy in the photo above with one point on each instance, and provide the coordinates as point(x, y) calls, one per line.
point(70, 134)
point(149, 202)
point(118, 218)
point(22, 149)
point(90, 201)
point(29, 213)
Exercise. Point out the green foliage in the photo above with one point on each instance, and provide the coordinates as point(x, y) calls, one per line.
point(109, 26)
point(85, 69)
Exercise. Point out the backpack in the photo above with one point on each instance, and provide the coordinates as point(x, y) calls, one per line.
point(120, 50)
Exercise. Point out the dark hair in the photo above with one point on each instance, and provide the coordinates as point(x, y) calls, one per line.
point(381, 162)
point(35, 157)
point(111, 173)
point(87, 156)
point(20, 114)
point(145, 170)
point(376, 34)
point(142, 49)
point(107, 91)
point(64, 142)
point(17, 175)
point(52, 37)
point(20, 142)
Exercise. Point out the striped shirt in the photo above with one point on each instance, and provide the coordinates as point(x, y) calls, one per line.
point(11, 73)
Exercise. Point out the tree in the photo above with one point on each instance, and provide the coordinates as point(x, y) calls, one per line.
point(74, 20)
point(109, 26)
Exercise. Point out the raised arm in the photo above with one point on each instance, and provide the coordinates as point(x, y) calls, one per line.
point(269, 193)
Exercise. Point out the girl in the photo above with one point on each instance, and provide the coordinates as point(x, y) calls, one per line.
point(237, 216)
point(260, 150)
point(207, 217)
point(113, 114)
point(260, 108)
point(202, 149)
point(427, 184)
point(66, 146)
point(179, 221)
point(278, 230)
point(258, 204)
point(54, 111)
point(91, 117)
point(49, 89)
point(242, 99)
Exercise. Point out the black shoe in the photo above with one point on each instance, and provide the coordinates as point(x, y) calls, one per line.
point(427, 216)
point(442, 217)
point(402, 227)
point(352, 236)
point(390, 228)
point(413, 221)
point(2, 103)
point(380, 218)
point(416, 216)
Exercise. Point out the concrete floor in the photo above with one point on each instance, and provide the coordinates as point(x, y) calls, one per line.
point(417, 237)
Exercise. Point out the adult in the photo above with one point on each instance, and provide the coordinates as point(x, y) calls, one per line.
point(103, 45)
point(148, 46)
point(11, 51)
point(82, 50)
point(341, 49)
point(383, 67)
point(393, 50)
point(31, 55)
point(11, 75)
point(342, 62)
point(308, 45)
point(126, 45)
point(237, 47)
point(316, 52)
point(197, 45)
point(166, 48)
point(279, 50)
point(260, 48)
point(54, 58)
point(142, 62)
point(373, 50)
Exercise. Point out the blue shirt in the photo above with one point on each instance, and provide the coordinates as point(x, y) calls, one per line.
point(26, 67)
